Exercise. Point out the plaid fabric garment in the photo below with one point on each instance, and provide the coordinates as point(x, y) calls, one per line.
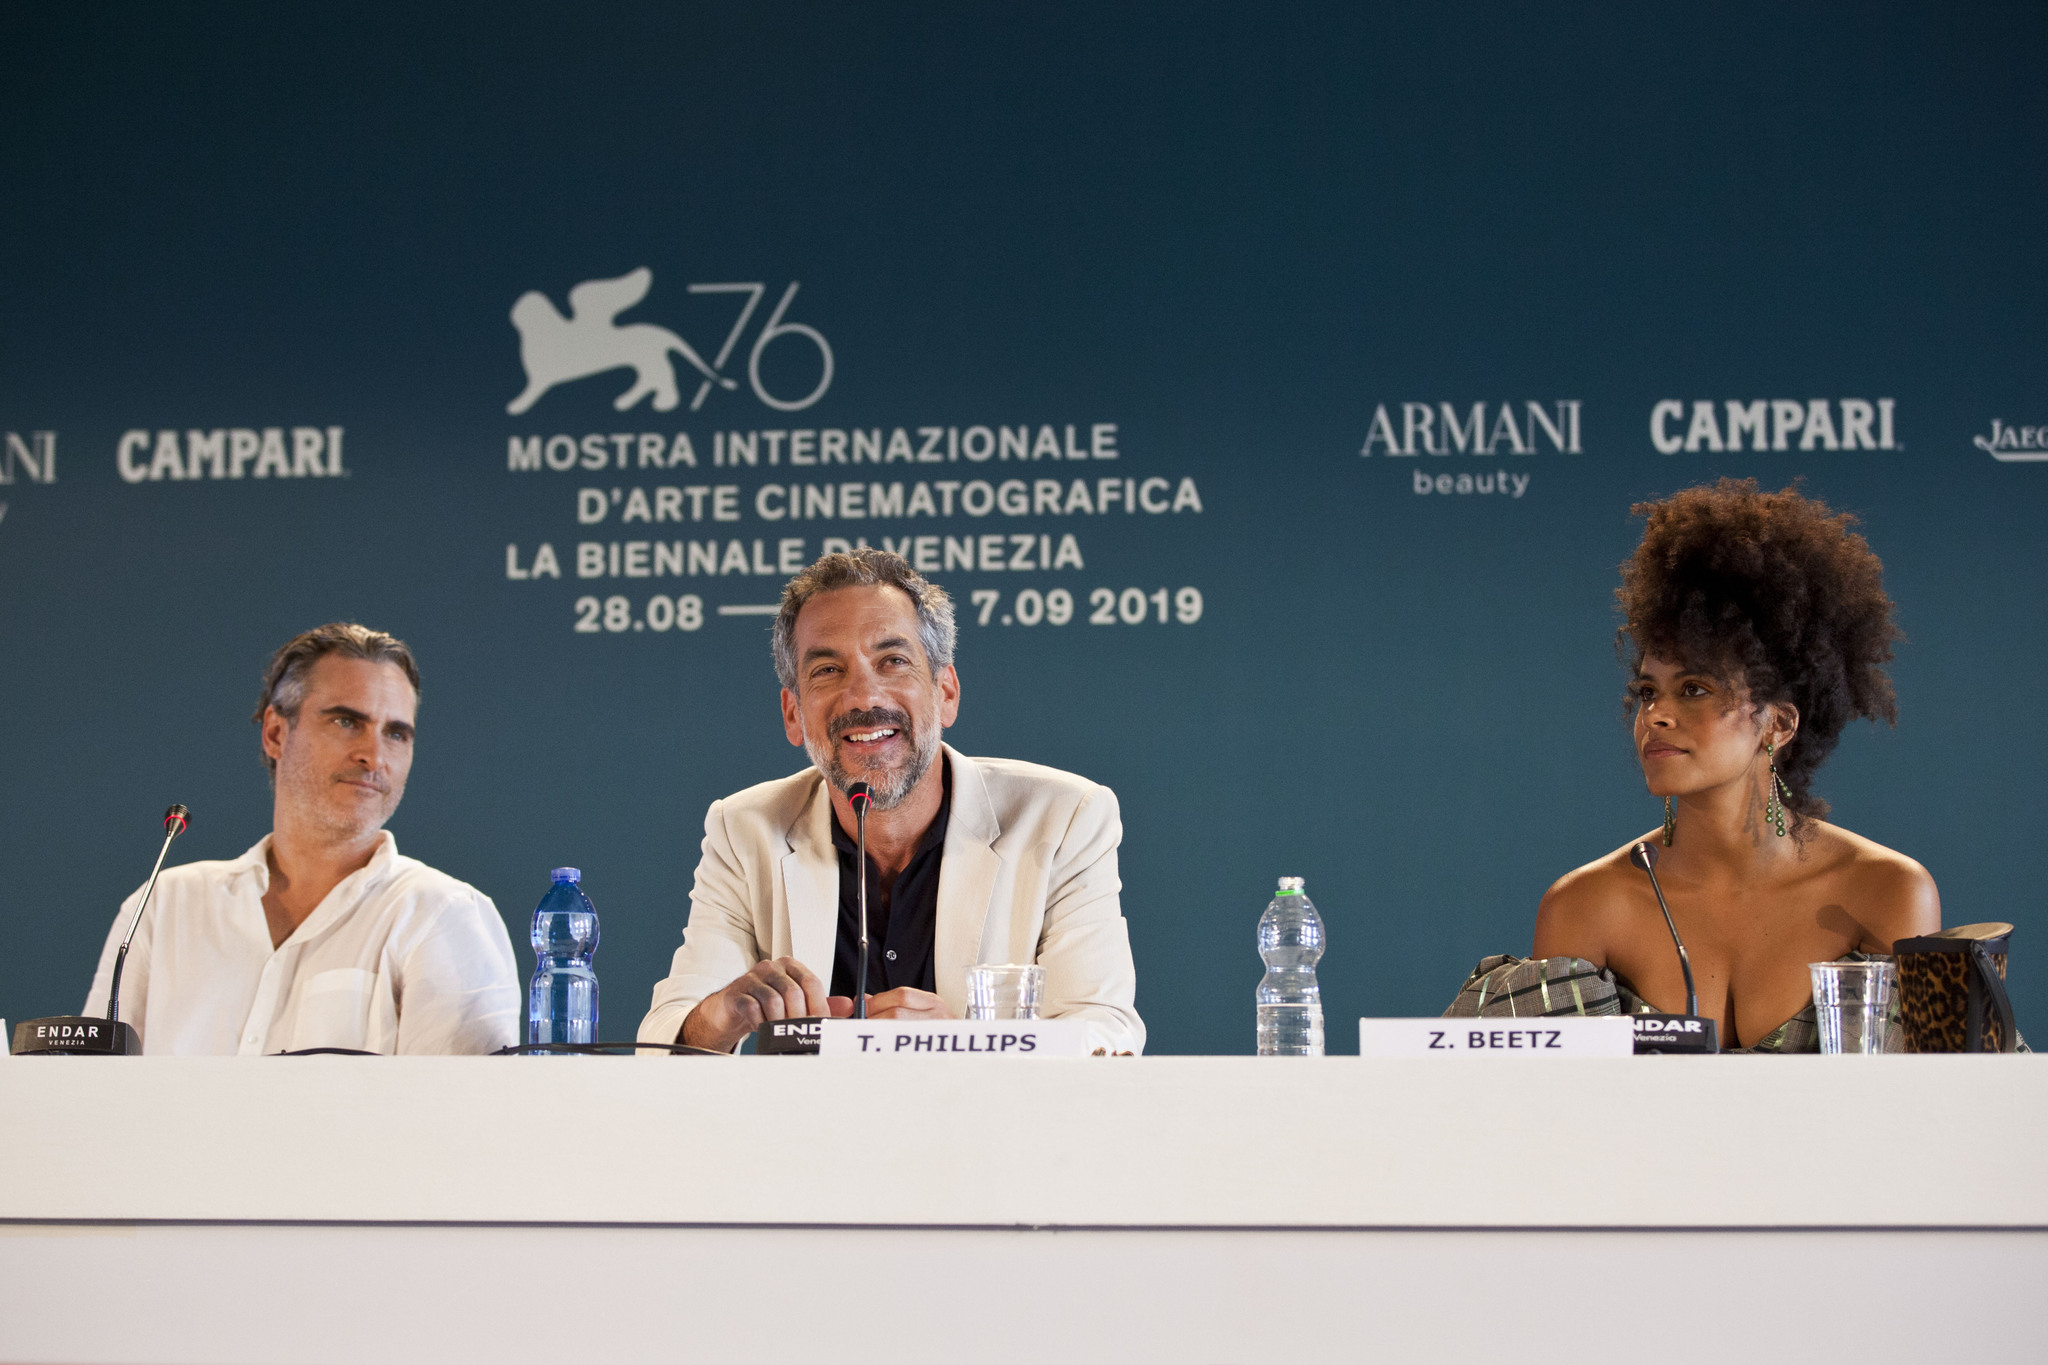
point(1507, 986)
point(1518, 987)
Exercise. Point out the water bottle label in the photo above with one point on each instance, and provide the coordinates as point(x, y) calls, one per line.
point(1569, 1036)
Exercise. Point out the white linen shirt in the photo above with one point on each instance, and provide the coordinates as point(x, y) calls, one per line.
point(399, 958)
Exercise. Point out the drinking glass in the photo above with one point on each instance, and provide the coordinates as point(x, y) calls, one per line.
point(1851, 1001)
point(1004, 992)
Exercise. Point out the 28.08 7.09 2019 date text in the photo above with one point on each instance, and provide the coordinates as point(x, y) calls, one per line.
point(1029, 607)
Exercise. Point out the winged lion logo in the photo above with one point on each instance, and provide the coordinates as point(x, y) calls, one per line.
point(556, 350)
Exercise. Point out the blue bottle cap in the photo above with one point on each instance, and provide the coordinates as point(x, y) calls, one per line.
point(566, 874)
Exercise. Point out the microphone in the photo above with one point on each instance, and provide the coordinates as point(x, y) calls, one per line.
point(1673, 1033)
point(860, 796)
point(71, 1033)
point(803, 1037)
point(177, 820)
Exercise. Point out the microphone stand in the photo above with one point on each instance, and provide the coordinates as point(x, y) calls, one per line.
point(87, 1035)
point(1686, 1033)
point(1645, 857)
point(859, 798)
point(802, 1037)
point(176, 819)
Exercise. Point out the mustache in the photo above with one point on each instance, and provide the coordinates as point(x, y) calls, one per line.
point(881, 717)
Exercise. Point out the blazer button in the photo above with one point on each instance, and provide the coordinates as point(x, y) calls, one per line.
point(889, 955)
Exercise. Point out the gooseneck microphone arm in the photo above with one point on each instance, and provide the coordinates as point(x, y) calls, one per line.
point(176, 820)
point(1645, 857)
point(860, 795)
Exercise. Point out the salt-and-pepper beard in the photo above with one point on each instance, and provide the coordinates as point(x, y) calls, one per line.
point(888, 793)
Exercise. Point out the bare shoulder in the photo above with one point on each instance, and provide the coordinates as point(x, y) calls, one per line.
point(1582, 912)
point(1888, 893)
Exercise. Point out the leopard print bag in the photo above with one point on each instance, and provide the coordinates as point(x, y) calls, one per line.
point(1952, 985)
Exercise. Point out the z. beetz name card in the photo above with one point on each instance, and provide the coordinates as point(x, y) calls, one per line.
point(1613, 1036)
point(953, 1038)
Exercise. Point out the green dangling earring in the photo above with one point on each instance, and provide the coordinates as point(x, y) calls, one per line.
point(1670, 825)
point(1774, 809)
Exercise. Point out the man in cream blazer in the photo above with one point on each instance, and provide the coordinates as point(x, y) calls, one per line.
point(972, 860)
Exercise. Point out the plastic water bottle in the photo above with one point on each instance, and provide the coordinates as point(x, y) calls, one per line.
point(1290, 1001)
point(561, 1005)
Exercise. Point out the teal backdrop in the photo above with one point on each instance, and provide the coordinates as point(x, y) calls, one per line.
point(1170, 311)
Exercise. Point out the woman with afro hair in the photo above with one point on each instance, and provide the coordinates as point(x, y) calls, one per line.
point(1756, 627)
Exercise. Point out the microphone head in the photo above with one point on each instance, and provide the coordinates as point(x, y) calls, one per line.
point(1643, 855)
point(177, 820)
point(860, 795)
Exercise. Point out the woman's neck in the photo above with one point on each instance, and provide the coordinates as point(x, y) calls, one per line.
point(1723, 830)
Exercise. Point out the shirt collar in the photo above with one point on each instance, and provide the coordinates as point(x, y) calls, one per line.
point(934, 833)
point(256, 862)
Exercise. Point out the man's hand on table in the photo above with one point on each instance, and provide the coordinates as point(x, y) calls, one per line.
point(786, 989)
point(779, 989)
point(905, 1002)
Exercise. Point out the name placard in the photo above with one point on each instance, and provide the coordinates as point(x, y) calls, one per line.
point(953, 1038)
point(1571, 1036)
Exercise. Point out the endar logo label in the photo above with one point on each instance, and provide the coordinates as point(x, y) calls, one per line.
point(557, 350)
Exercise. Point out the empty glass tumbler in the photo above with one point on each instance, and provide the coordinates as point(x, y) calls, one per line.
point(1853, 1001)
point(1004, 992)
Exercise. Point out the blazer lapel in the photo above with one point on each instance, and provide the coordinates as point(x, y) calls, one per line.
point(967, 881)
point(810, 885)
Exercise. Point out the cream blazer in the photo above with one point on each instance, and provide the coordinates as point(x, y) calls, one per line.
point(1029, 875)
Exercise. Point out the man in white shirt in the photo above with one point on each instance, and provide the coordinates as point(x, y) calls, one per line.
point(322, 935)
point(970, 860)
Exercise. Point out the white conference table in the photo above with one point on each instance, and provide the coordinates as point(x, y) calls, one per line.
point(1184, 1209)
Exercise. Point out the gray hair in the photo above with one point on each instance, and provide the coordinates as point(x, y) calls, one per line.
point(865, 567)
point(284, 680)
